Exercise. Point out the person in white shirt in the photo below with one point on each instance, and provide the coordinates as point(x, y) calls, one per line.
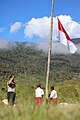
point(39, 94)
point(11, 90)
point(53, 96)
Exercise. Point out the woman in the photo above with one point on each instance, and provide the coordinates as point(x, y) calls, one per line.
point(11, 90)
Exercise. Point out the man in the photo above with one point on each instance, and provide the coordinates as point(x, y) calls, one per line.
point(39, 94)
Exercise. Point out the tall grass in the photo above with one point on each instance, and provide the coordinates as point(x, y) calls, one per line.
point(25, 108)
point(27, 111)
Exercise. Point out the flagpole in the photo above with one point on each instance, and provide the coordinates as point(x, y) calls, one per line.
point(49, 50)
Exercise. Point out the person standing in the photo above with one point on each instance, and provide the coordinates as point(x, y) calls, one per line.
point(11, 86)
point(39, 95)
point(53, 96)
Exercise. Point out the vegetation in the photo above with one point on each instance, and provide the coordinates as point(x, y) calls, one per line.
point(29, 66)
point(25, 108)
point(27, 61)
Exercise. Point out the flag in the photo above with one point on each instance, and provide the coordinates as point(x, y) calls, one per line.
point(65, 39)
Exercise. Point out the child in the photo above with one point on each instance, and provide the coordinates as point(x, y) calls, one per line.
point(53, 96)
point(39, 94)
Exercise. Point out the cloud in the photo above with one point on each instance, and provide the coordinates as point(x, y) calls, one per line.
point(57, 47)
point(15, 27)
point(5, 44)
point(41, 27)
point(1, 29)
point(72, 27)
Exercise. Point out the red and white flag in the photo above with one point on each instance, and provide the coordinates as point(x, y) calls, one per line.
point(65, 39)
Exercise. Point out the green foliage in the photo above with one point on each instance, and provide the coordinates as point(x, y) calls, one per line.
point(22, 61)
point(29, 66)
point(25, 108)
point(28, 61)
point(68, 91)
point(65, 67)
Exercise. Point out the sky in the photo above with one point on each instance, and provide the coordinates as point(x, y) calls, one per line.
point(29, 21)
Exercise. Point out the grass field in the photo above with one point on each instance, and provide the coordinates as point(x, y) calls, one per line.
point(25, 109)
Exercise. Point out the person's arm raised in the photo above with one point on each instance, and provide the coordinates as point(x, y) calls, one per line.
point(11, 79)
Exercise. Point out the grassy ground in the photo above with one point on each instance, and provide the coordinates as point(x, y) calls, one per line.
point(25, 109)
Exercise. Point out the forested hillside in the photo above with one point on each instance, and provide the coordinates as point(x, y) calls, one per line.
point(27, 61)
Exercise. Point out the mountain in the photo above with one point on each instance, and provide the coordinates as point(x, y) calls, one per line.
point(25, 60)
point(76, 40)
